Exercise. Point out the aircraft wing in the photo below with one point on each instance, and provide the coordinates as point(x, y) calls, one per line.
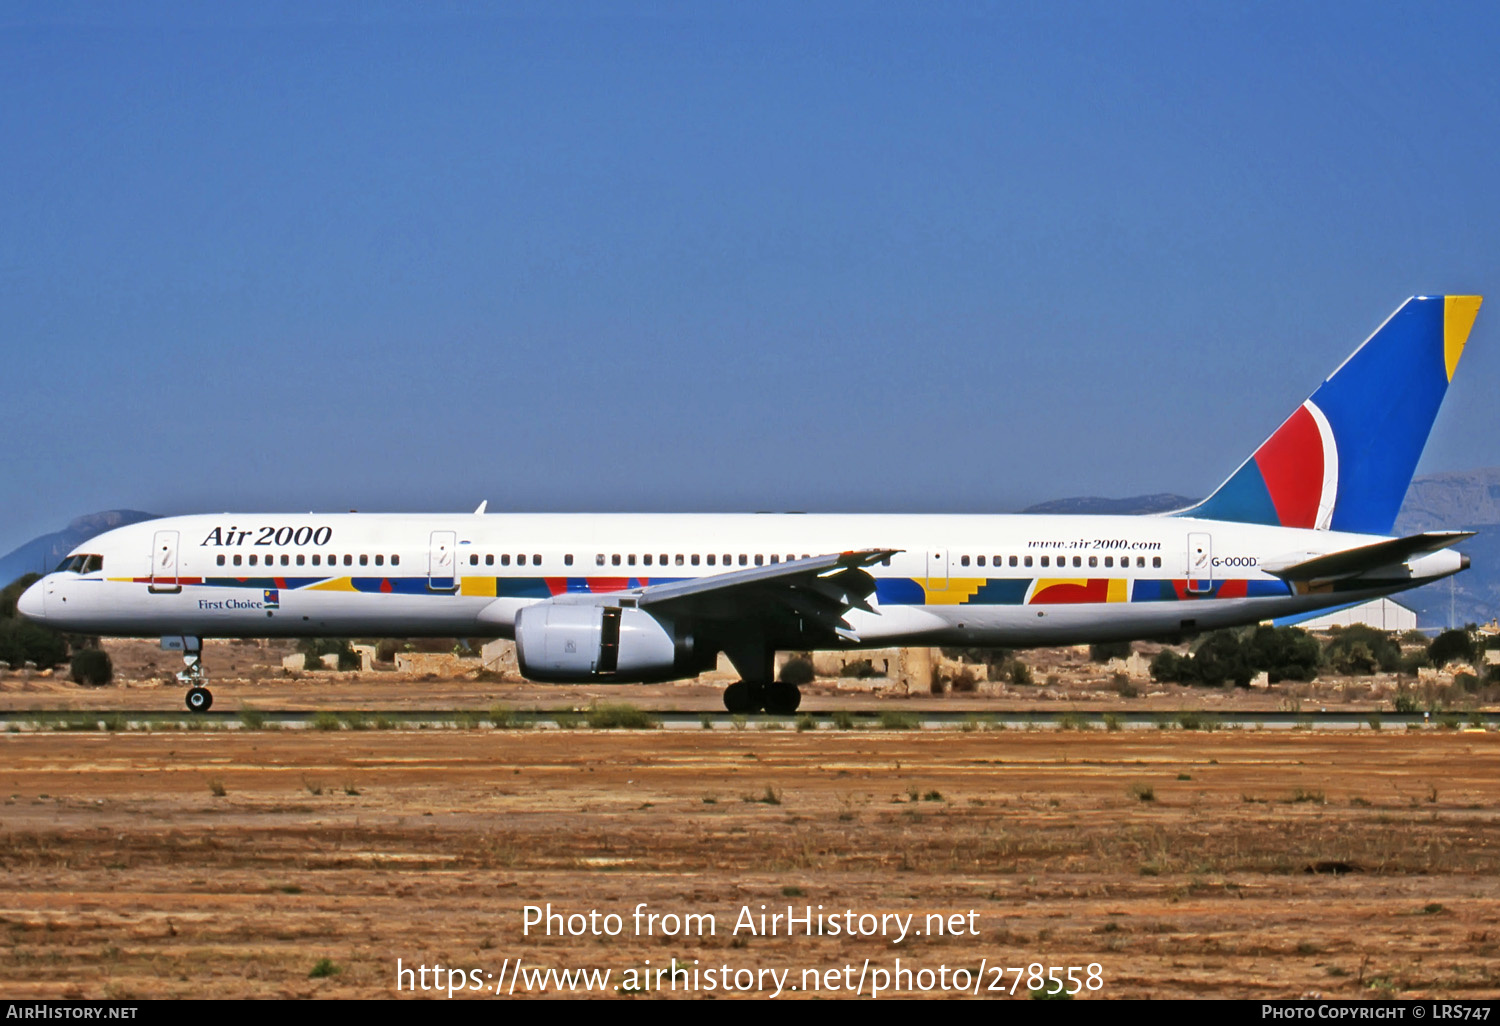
point(1361, 558)
point(821, 589)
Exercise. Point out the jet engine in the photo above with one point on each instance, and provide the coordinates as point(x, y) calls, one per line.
point(564, 644)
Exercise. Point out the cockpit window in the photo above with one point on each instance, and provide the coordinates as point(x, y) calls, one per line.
point(83, 563)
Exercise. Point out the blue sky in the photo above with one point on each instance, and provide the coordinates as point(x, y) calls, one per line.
point(950, 257)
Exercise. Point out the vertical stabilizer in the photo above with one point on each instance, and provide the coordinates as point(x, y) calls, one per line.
point(1344, 458)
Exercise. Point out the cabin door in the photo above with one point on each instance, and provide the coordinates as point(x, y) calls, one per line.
point(164, 578)
point(442, 566)
point(1200, 563)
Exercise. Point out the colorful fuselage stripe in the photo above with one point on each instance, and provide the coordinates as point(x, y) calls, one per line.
point(890, 591)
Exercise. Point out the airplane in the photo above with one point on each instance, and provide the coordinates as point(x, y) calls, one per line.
point(1303, 524)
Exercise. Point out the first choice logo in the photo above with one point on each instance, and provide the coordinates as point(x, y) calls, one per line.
point(272, 535)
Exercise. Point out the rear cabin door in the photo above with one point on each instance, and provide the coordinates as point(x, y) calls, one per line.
point(442, 572)
point(164, 579)
point(1200, 563)
point(937, 568)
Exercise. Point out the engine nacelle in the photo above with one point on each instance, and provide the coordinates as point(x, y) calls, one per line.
point(565, 644)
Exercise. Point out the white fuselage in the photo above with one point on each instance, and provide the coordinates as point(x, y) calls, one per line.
point(1011, 580)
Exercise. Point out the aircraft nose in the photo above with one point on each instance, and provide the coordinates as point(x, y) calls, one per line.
point(33, 602)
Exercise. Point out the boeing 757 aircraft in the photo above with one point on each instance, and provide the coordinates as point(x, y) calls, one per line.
point(1303, 524)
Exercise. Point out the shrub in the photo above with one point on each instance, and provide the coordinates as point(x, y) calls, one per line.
point(619, 715)
point(1019, 673)
point(860, 668)
point(1451, 646)
point(92, 666)
point(798, 670)
point(1103, 652)
point(1360, 650)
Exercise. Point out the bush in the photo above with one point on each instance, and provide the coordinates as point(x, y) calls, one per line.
point(92, 666)
point(314, 649)
point(1018, 672)
point(22, 641)
point(798, 670)
point(1103, 652)
point(1360, 650)
point(1451, 646)
point(860, 668)
point(1170, 668)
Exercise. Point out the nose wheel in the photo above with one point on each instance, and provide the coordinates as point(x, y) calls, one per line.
point(199, 698)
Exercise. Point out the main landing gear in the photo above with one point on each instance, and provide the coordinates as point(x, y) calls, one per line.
point(777, 697)
point(199, 698)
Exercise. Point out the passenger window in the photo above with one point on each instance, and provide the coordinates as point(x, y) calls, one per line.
point(380, 560)
point(473, 559)
point(236, 559)
point(395, 561)
point(1028, 561)
point(301, 559)
point(1156, 561)
point(759, 559)
point(729, 560)
point(568, 559)
point(695, 559)
point(1093, 561)
point(221, 559)
point(536, 559)
point(630, 559)
point(505, 559)
point(286, 560)
point(1078, 561)
point(489, 559)
point(646, 559)
point(252, 559)
point(614, 560)
point(775, 558)
point(364, 559)
point(1013, 561)
point(599, 559)
point(981, 561)
point(678, 560)
point(348, 559)
point(1109, 561)
point(963, 560)
point(663, 560)
point(316, 557)
point(1044, 560)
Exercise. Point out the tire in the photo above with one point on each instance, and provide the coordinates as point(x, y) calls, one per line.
point(738, 698)
point(199, 700)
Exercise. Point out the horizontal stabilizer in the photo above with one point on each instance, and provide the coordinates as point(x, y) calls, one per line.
point(1361, 559)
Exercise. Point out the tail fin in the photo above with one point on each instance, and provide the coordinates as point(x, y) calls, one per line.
point(1343, 460)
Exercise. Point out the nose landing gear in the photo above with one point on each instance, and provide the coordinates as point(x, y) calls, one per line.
point(199, 698)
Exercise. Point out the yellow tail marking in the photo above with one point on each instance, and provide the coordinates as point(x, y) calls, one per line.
point(1458, 319)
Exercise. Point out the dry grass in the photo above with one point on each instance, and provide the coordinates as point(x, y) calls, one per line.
point(126, 877)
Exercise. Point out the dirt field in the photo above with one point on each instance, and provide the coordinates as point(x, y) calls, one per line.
point(1234, 864)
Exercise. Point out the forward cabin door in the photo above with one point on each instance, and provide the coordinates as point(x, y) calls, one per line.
point(164, 578)
point(937, 569)
point(442, 567)
point(1200, 563)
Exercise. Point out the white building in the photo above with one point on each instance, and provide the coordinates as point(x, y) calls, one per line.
point(1383, 614)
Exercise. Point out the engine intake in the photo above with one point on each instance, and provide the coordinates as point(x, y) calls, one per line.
point(565, 644)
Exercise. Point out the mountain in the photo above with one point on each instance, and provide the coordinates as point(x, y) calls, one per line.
point(42, 554)
point(1163, 502)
